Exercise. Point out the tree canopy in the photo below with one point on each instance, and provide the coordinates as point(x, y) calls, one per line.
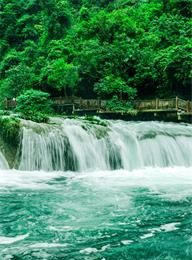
point(93, 48)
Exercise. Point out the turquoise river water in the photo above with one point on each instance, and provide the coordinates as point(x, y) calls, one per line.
point(123, 195)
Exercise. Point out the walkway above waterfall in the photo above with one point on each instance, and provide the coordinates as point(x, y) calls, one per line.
point(99, 105)
point(172, 104)
point(173, 109)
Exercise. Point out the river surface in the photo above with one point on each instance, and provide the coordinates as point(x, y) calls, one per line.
point(137, 210)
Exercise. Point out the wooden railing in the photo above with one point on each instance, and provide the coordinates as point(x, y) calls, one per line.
point(10, 103)
point(82, 103)
point(184, 105)
point(176, 104)
point(154, 104)
point(164, 104)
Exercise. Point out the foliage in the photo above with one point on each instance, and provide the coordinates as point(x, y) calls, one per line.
point(34, 105)
point(122, 48)
point(115, 85)
point(18, 78)
point(118, 105)
point(95, 120)
point(10, 128)
point(63, 76)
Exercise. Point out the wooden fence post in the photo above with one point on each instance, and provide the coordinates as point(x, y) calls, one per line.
point(73, 110)
point(177, 103)
point(157, 103)
point(99, 103)
point(6, 103)
point(188, 106)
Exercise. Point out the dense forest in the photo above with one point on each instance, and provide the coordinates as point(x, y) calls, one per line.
point(111, 49)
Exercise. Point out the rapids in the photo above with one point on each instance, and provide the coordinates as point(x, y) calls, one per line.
point(110, 215)
point(85, 191)
point(79, 145)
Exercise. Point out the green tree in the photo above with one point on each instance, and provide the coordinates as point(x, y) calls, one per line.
point(63, 76)
point(34, 105)
point(116, 89)
point(71, 46)
point(17, 79)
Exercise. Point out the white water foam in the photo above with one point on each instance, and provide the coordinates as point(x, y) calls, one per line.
point(47, 245)
point(127, 242)
point(11, 240)
point(82, 146)
point(168, 183)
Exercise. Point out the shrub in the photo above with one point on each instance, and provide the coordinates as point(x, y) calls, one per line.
point(34, 105)
point(118, 105)
point(10, 129)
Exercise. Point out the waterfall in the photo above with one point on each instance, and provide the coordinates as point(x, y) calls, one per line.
point(3, 162)
point(79, 145)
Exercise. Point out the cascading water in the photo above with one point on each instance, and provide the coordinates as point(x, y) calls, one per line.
point(115, 190)
point(3, 162)
point(82, 146)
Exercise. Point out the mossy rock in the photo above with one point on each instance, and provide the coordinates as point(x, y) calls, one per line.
point(95, 120)
point(98, 131)
point(9, 138)
point(101, 132)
